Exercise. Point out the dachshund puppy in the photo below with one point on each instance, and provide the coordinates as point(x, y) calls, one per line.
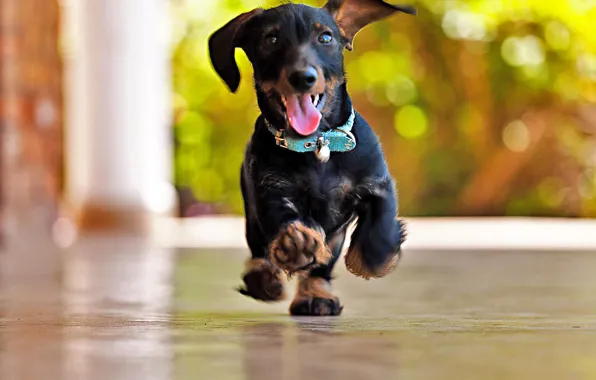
point(313, 165)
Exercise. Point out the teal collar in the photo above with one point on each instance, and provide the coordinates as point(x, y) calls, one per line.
point(339, 139)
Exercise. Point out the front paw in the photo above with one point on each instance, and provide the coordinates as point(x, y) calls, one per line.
point(298, 248)
point(263, 281)
point(314, 298)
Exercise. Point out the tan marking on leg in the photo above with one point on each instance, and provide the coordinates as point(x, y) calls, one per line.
point(355, 265)
point(313, 287)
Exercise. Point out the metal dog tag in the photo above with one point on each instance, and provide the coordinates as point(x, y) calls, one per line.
point(323, 153)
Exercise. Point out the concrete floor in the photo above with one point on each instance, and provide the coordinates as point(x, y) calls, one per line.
point(121, 309)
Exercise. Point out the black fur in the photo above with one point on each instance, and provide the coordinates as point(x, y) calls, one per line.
point(281, 187)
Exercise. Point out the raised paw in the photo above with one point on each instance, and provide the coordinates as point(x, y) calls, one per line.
point(263, 281)
point(298, 248)
point(314, 298)
point(357, 264)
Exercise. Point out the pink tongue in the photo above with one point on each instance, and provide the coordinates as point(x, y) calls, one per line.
point(302, 114)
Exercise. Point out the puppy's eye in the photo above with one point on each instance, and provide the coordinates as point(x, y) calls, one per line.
point(325, 38)
point(270, 40)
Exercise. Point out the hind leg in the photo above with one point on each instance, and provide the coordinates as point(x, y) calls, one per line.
point(376, 242)
point(313, 295)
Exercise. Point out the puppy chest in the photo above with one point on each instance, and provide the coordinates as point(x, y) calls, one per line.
point(329, 203)
point(327, 199)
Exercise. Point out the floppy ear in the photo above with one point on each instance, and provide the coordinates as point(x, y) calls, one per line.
point(222, 45)
point(353, 15)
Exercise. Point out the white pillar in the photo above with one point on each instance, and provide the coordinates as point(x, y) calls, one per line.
point(118, 135)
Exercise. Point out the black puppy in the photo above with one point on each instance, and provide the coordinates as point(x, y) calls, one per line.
point(313, 164)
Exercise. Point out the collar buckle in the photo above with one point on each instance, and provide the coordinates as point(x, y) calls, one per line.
point(280, 138)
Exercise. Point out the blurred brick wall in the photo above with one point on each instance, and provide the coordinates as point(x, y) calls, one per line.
point(30, 113)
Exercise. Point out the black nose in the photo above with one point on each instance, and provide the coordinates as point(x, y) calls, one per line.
point(303, 80)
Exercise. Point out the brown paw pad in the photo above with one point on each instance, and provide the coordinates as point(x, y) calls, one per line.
point(263, 281)
point(298, 248)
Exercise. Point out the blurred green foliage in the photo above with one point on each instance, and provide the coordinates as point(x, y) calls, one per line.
point(483, 107)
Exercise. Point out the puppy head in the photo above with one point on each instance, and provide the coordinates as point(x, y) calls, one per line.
point(297, 55)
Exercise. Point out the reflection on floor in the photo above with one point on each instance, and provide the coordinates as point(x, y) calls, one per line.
point(122, 309)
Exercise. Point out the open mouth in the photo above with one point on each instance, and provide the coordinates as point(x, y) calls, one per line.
point(303, 111)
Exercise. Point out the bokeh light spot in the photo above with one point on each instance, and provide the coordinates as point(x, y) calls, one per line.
point(411, 122)
point(557, 36)
point(376, 96)
point(586, 65)
point(401, 91)
point(516, 136)
point(521, 51)
point(459, 24)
